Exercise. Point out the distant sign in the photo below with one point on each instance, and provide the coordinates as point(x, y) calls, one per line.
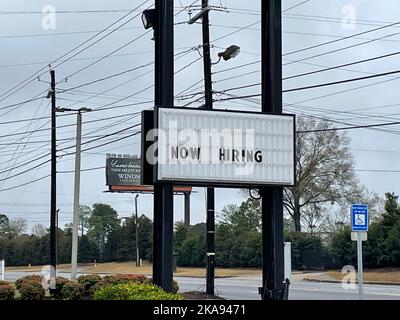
point(359, 217)
point(123, 171)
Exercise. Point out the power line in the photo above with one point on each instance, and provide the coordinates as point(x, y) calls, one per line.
point(22, 102)
point(108, 77)
point(25, 184)
point(335, 19)
point(341, 81)
point(46, 155)
point(378, 170)
point(347, 90)
point(72, 153)
point(29, 80)
point(83, 170)
point(177, 56)
point(327, 84)
point(351, 127)
point(65, 11)
point(340, 49)
point(342, 65)
point(296, 5)
point(71, 125)
point(343, 38)
point(106, 56)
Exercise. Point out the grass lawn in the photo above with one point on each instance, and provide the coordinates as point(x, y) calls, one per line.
point(147, 269)
point(130, 267)
point(62, 267)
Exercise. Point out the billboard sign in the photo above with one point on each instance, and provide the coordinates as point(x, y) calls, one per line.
point(213, 147)
point(123, 171)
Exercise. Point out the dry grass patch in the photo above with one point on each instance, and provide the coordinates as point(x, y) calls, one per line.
point(382, 275)
point(147, 269)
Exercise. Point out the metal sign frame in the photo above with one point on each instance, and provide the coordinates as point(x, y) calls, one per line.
point(211, 183)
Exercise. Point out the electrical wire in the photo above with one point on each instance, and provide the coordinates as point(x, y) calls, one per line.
point(295, 6)
point(29, 80)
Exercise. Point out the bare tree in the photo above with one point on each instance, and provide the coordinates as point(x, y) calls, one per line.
point(4, 224)
point(324, 173)
point(16, 227)
point(39, 230)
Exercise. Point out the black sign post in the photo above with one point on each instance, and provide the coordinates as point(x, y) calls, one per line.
point(164, 96)
point(273, 287)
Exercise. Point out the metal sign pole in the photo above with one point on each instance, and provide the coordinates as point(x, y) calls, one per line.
point(272, 198)
point(2, 262)
point(163, 192)
point(360, 266)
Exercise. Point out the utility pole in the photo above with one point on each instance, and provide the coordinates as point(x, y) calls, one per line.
point(272, 197)
point(210, 222)
point(53, 193)
point(136, 232)
point(75, 218)
point(164, 96)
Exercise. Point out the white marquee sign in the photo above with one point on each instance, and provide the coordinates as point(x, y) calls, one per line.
point(219, 147)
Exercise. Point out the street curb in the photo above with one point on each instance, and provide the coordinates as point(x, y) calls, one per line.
point(365, 282)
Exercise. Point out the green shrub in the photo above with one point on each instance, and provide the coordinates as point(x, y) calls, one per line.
point(7, 291)
point(120, 279)
point(175, 286)
point(35, 278)
point(88, 281)
point(72, 290)
point(60, 282)
point(31, 290)
point(134, 291)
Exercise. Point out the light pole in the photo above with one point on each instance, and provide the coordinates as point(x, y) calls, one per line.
point(75, 217)
point(136, 232)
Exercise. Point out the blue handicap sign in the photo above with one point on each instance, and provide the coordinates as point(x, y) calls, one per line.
point(359, 217)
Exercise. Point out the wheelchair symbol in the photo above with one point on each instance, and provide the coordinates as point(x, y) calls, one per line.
point(360, 219)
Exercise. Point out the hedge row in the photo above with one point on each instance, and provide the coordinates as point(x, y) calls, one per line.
point(7, 291)
point(134, 291)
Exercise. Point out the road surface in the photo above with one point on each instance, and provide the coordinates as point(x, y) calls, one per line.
point(246, 288)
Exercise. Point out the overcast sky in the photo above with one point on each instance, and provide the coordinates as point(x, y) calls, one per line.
point(28, 43)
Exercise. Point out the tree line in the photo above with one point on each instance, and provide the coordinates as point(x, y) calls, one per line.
point(315, 210)
point(104, 238)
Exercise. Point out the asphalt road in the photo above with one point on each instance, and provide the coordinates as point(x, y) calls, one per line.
point(246, 288)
